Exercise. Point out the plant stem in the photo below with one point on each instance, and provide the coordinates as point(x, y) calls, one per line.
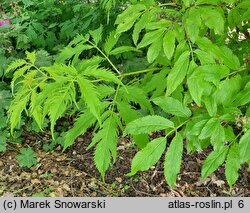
point(105, 56)
point(174, 130)
point(139, 71)
point(237, 71)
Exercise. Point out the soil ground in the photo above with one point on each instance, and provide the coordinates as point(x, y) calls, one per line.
point(73, 173)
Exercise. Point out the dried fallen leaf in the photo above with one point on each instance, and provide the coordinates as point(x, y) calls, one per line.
point(35, 181)
point(66, 187)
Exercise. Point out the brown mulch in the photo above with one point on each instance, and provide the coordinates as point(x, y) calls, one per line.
point(73, 173)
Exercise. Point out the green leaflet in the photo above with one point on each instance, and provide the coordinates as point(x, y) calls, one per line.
point(57, 104)
point(160, 24)
point(172, 162)
point(15, 64)
point(178, 73)
point(232, 165)
point(137, 95)
point(209, 128)
point(245, 147)
point(243, 97)
point(83, 122)
point(213, 161)
point(150, 38)
point(106, 147)
point(192, 23)
point(154, 50)
point(213, 19)
point(218, 137)
point(229, 58)
point(148, 156)
point(110, 42)
point(132, 9)
point(204, 57)
point(31, 56)
point(157, 83)
point(148, 124)
point(97, 34)
point(169, 44)
point(128, 114)
point(140, 25)
point(232, 86)
point(102, 74)
point(90, 96)
point(16, 108)
point(123, 49)
point(211, 105)
point(128, 22)
point(198, 82)
point(172, 106)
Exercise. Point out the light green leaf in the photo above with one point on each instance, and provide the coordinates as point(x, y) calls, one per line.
point(204, 57)
point(140, 25)
point(245, 147)
point(83, 122)
point(132, 9)
point(31, 56)
point(178, 73)
point(172, 162)
point(169, 44)
point(229, 59)
point(213, 19)
point(232, 165)
point(111, 41)
point(172, 106)
point(150, 37)
point(243, 97)
point(15, 64)
point(192, 23)
point(106, 148)
point(218, 137)
point(97, 34)
point(148, 156)
point(90, 95)
point(148, 124)
point(128, 23)
point(213, 161)
point(138, 95)
point(209, 128)
point(102, 74)
point(232, 86)
point(123, 49)
point(211, 105)
point(154, 50)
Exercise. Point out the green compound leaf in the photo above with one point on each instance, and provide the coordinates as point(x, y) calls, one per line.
point(213, 161)
point(148, 156)
point(172, 162)
point(148, 124)
point(232, 164)
point(27, 157)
